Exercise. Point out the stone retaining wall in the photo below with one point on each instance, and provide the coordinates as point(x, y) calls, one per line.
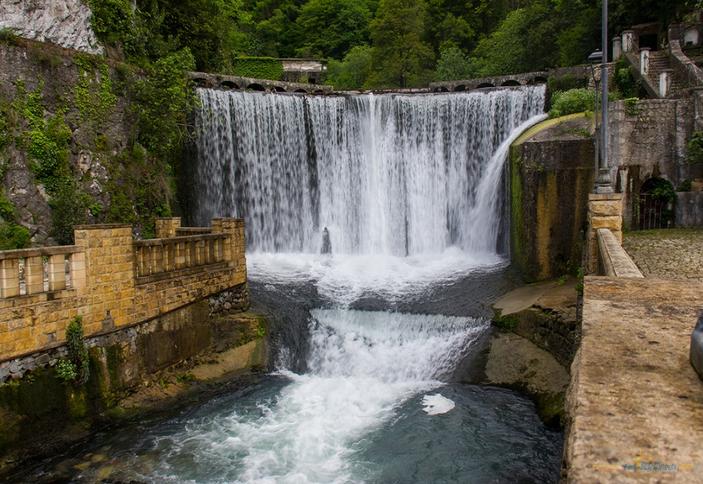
point(105, 289)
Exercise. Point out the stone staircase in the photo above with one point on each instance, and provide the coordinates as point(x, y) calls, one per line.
point(658, 62)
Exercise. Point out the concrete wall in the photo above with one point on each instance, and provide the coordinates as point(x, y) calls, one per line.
point(648, 139)
point(551, 176)
point(106, 288)
point(689, 209)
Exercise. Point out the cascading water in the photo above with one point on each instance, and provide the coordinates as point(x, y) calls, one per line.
point(409, 188)
point(386, 174)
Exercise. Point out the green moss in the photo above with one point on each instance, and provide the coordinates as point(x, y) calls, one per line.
point(505, 323)
point(550, 408)
point(93, 94)
point(517, 226)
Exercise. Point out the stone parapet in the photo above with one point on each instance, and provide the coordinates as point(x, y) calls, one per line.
point(112, 281)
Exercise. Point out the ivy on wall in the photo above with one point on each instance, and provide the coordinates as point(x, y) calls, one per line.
point(258, 68)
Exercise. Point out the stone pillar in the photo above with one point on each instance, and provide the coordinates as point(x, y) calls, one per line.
point(166, 227)
point(109, 274)
point(604, 212)
point(665, 82)
point(644, 61)
point(9, 278)
point(617, 48)
point(628, 41)
point(57, 272)
point(34, 274)
point(234, 247)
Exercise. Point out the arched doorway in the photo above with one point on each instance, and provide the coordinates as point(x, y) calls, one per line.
point(656, 204)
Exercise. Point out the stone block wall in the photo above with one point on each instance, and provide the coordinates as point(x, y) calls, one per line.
point(604, 212)
point(551, 176)
point(105, 289)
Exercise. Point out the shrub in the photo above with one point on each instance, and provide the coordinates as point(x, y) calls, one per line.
point(574, 101)
point(694, 154)
point(565, 83)
point(75, 368)
point(13, 236)
point(258, 67)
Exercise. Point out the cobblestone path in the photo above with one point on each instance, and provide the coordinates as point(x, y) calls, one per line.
point(667, 254)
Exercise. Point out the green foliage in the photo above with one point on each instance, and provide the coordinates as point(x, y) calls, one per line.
point(624, 80)
point(685, 185)
point(694, 148)
point(78, 356)
point(565, 83)
point(13, 236)
point(66, 371)
point(69, 207)
point(93, 94)
point(353, 71)
point(330, 28)
point(661, 189)
point(572, 101)
point(505, 323)
point(579, 281)
point(401, 57)
point(632, 106)
point(259, 68)
point(8, 36)
point(453, 64)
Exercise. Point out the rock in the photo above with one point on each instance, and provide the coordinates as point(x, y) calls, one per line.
point(62, 22)
point(697, 348)
point(517, 363)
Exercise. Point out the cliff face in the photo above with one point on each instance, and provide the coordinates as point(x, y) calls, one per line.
point(62, 22)
point(68, 150)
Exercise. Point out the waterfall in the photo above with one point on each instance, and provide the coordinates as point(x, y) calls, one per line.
point(387, 174)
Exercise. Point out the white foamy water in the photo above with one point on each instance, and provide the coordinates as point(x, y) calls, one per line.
point(362, 367)
point(437, 404)
point(386, 174)
point(409, 188)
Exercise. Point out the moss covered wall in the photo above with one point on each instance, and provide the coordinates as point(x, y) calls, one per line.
point(551, 174)
point(69, 144)
point(40, 412)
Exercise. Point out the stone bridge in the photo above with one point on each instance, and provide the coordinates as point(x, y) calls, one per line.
point(222, 81)
point(523, 79)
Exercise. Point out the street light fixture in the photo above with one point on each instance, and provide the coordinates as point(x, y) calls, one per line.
point(603, 182)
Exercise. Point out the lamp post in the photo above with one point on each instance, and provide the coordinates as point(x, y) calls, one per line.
point(596, 58)
point(603, 182)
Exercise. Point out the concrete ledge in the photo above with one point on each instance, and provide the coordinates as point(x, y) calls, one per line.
point(614, 260)
point(635, 404)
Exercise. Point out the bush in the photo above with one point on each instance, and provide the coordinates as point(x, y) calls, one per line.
point(574, 101)
point(258, 68)
point(13, 236)
point(565, 83)
point(75, 368)
point(694, 148)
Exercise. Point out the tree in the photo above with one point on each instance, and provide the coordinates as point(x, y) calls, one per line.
point(353, 72)
point(453, 64)
point(401, 56)
point(330, 28)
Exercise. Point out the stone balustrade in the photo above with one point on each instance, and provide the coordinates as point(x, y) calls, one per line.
point(163, 256)
point(34, 271)
point(113, 281)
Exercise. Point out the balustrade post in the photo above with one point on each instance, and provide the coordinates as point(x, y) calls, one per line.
point(34, 274)
point(57, 272)
point(9, 278)
point(78, 271)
